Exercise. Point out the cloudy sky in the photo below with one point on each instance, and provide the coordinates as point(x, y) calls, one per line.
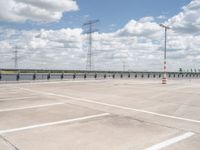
point(48, 34)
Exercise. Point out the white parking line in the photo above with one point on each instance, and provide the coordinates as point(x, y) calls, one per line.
point(114, 106)
point(53, 123)
point(30, 107)
point(20, 98)
point(51, 82)
point(9, 92)
point(170, 141)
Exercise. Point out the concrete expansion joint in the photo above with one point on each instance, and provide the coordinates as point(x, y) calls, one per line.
point(161, 125)
point(9, 143)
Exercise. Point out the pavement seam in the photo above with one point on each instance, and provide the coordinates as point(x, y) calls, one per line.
point(8, 142)
point(162, 125)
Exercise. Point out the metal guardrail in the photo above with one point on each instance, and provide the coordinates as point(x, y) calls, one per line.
point(74, 76)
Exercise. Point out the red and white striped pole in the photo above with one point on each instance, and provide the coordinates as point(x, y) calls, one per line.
point(164, 79)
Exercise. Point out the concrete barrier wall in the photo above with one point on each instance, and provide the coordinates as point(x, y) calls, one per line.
point(71, 76)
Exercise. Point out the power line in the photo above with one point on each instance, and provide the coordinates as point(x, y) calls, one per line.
point(90, 30)
point(16, 58)
point(124, 66)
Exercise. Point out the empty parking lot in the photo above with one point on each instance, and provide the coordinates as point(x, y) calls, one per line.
point(100, 115)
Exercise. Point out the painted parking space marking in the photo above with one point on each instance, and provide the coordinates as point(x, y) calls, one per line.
point(170, 141)
point(30, 107)
point(54, 123)
point(19, 98)
point(114, 106)
point(52, 82)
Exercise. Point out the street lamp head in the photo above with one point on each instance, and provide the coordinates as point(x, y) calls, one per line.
point(164, 26)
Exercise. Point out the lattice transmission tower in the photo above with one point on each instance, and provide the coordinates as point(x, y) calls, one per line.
point(89, 31)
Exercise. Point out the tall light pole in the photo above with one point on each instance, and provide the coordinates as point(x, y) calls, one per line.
point(164, 79)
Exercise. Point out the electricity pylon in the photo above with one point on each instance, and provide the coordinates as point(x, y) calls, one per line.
point(90, 30)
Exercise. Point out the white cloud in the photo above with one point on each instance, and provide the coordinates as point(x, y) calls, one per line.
point(45, 49)
point(147, 19)
point(140, 28)
point(35, 10)
point(161, 17)
point(187, 21)
point(139, 44)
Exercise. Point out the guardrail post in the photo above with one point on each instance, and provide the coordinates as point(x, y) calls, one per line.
point(85, 76)
point(74, 76)
point(121, 75)
point(62, 76)
point(34, 76)
point(129, 76)
point(104, 76)
point(113, 76)
point(48, 76)
point(95, 76)
point(135, 75)
point(18, 77)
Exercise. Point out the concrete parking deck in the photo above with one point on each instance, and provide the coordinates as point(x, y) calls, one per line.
point(100, 115)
